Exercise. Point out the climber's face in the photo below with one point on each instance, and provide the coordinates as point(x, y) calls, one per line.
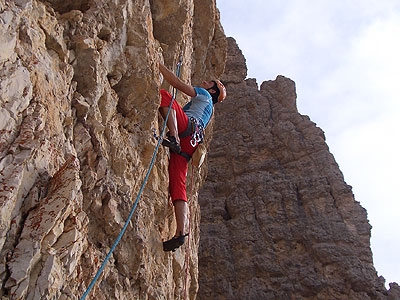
point(208, 84)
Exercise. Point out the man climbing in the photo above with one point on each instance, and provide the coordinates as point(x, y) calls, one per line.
point(185, 127)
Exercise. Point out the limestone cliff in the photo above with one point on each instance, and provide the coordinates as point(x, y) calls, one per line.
point(79, 96)
point(79, 93)
point(278, 220)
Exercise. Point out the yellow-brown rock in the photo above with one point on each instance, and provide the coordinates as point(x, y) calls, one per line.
point(79, 96)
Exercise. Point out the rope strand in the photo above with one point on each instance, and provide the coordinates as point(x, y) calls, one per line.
point(96, 277)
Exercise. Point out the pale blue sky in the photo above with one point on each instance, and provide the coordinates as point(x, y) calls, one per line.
point(344, 57)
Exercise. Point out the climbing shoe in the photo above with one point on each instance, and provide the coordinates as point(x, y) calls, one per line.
point(172, 144)
point(174, 243)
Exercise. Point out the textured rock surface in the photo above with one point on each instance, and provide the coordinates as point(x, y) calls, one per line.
point(278, 220)
point(79, 97)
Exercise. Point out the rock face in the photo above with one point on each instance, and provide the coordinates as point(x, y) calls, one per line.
point(79, 96)
point(278, 220)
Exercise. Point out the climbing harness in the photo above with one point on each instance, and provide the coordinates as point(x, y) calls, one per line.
point(195, 130)
point(96, 277)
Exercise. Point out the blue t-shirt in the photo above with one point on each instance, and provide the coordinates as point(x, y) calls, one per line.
point(200, 107)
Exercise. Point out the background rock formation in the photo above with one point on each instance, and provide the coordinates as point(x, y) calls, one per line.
point(79, 99)
point(278, 220)
point(79, 88)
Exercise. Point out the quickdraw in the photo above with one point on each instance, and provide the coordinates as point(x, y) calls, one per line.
point(198, 133)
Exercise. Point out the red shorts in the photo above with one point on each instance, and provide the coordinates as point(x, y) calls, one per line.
point(178, 165)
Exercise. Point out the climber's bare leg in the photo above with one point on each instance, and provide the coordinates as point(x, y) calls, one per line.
point(181, 212)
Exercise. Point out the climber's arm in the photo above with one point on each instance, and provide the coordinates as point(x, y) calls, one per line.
point(176, 82)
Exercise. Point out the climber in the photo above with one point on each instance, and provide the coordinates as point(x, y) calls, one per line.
point(185, 127)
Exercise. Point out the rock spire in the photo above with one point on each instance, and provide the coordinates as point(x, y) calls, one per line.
point(278, 221)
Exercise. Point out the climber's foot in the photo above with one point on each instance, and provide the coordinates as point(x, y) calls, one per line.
point(174, 243)
point(172, 144)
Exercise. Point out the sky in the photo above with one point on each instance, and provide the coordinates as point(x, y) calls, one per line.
point(344, 57)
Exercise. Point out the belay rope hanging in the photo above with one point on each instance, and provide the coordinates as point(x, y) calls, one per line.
point(96, 277)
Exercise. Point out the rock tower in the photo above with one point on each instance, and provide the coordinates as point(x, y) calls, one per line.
point(278, 220)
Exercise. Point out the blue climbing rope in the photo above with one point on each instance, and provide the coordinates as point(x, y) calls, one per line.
point(96, 277)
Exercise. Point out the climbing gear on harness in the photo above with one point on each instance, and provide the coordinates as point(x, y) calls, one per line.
point(171, 143)
point(195, 130)
point(174, 243)
point(198, 135)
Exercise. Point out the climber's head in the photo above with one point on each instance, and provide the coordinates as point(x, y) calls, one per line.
point(216, 89)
